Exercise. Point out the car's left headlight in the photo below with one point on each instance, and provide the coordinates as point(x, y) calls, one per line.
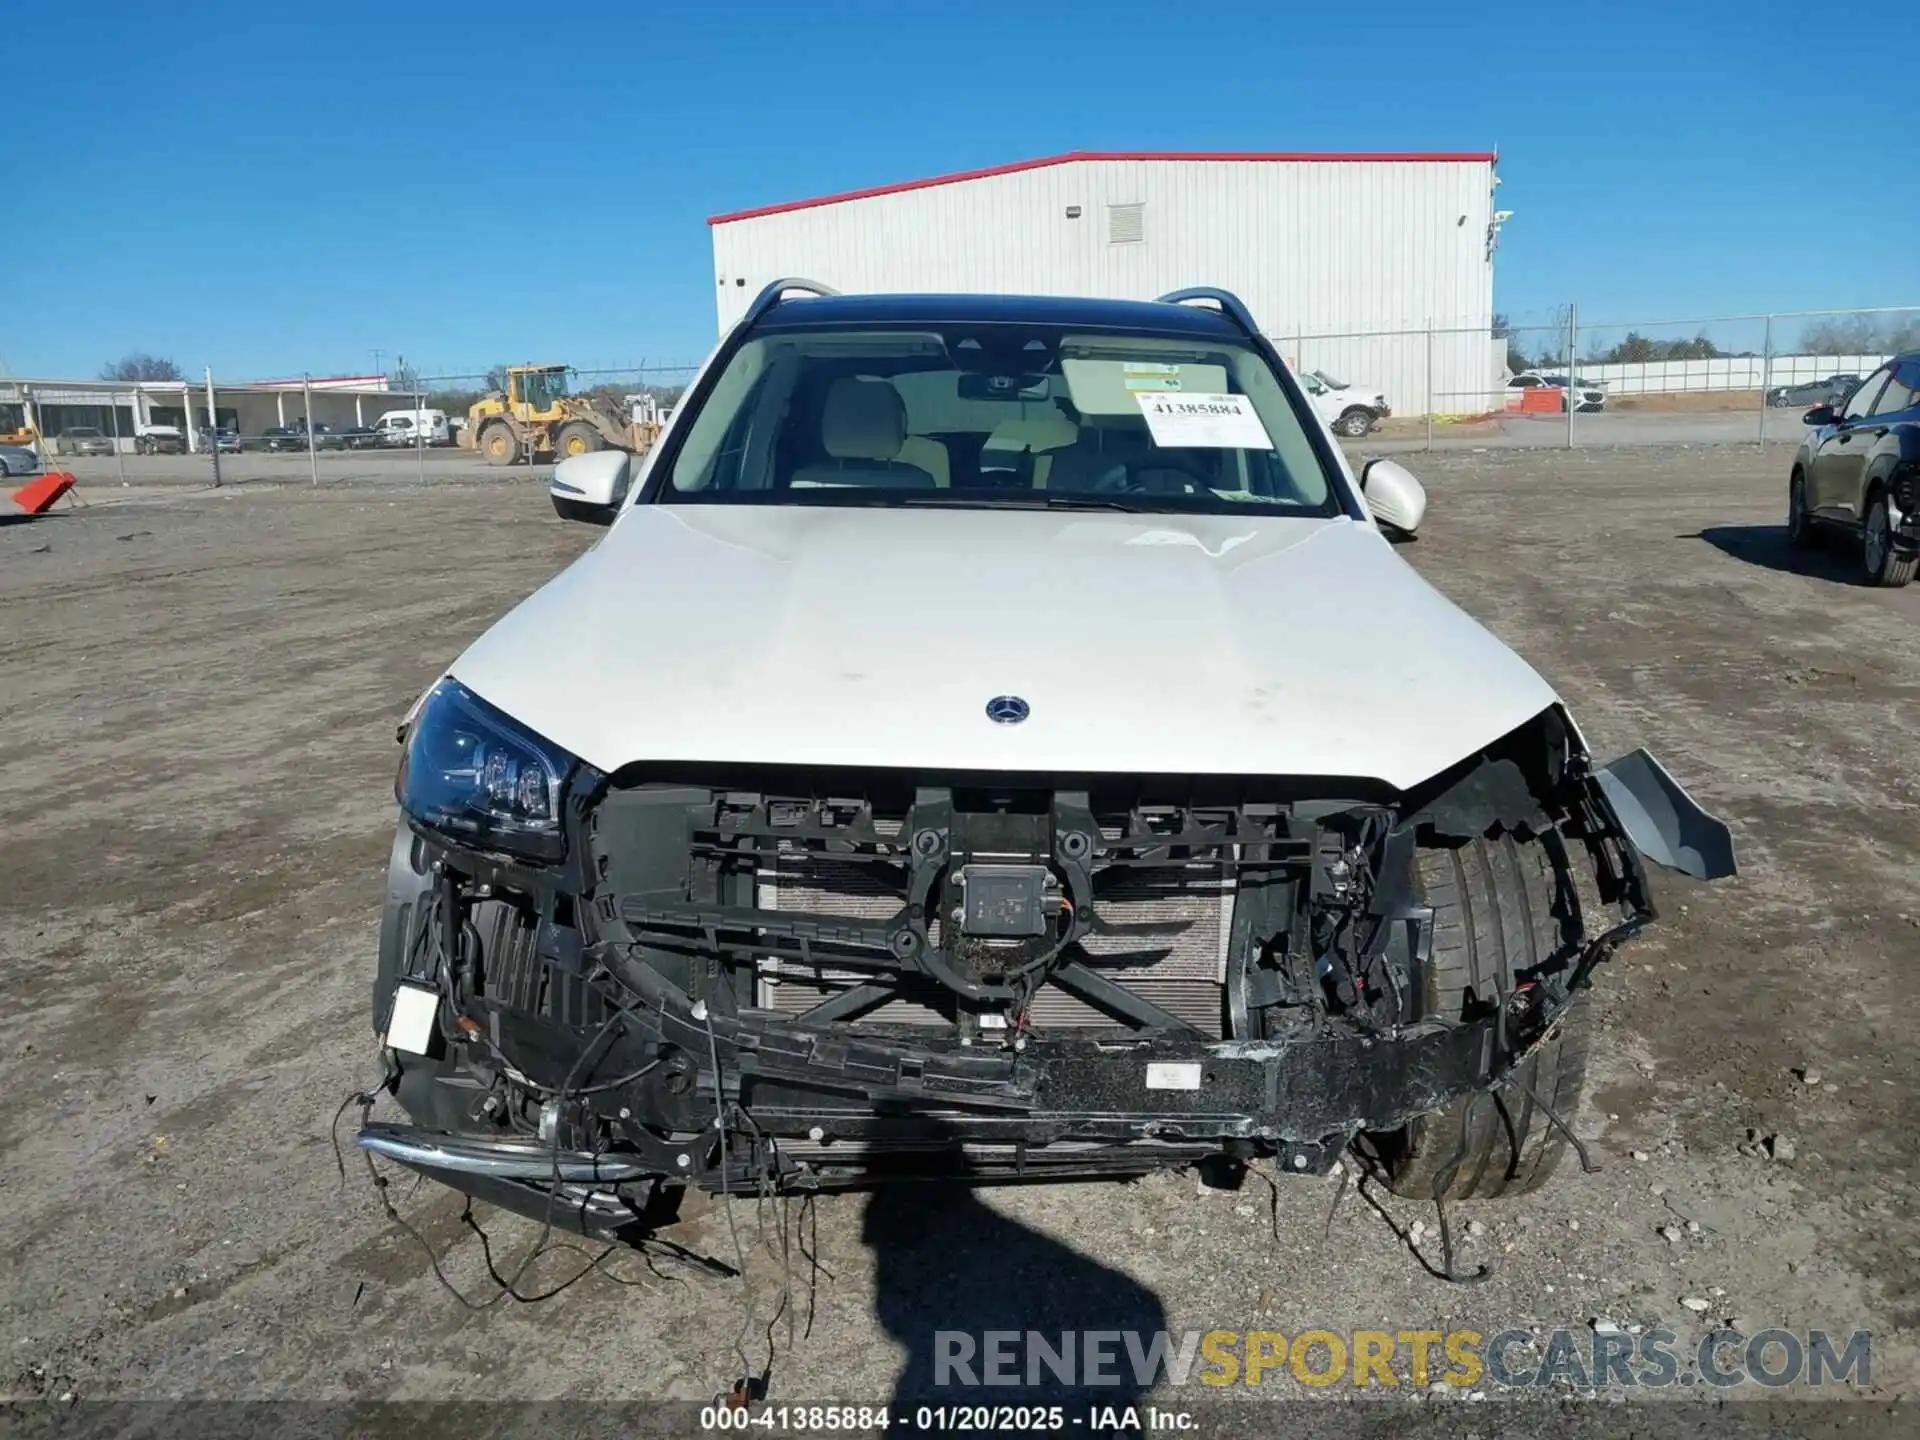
point(475, 772)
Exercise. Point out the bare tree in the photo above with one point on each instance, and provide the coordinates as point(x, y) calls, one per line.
point(1639, 349)
point(1843, 335)
point(1900, 333)
point(138, 365)
point(1503, 330)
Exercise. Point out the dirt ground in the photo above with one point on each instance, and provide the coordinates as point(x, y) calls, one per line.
point(200, 691)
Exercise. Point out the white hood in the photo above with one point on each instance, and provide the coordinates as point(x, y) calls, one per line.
point(1158, 644)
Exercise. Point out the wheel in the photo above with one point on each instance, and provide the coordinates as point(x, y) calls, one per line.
point(1884, 568)
point(577, 438)
point(1800, 531)
point(1500, 914)
point(500, 445)
point(1353, 423)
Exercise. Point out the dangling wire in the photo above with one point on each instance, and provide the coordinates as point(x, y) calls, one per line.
point(1587, 1164)
point(705, 1015)
point(1444, 1178)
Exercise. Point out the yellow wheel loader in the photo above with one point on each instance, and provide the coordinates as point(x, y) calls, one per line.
point(535, 418)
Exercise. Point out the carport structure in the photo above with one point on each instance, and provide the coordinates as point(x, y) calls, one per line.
point(126, 408)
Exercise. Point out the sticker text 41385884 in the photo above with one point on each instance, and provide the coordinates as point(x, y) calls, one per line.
point(1181, 421)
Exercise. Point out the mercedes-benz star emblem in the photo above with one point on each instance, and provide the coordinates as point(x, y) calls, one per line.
point(1007, 710)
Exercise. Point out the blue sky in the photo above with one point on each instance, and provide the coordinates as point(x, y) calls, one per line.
point(267, 188)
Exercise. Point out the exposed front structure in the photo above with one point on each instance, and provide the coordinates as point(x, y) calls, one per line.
point(1319, 246)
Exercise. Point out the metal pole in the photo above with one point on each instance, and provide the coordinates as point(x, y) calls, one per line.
point(1766, 379)
point(313, 458)
point(420, 434)
point(213, 429)
point(1429, 384)
point(1573, 388)
point(113, 416)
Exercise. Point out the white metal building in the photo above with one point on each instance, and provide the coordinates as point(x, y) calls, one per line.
point(1322, 248)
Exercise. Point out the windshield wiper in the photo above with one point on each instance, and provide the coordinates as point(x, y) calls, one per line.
point(1031, 500)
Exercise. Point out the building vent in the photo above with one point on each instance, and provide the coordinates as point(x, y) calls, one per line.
point(1127, 224)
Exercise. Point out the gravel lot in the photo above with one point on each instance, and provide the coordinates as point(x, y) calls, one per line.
point(200, 695)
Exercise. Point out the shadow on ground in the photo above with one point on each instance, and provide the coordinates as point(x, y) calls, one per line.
point(948, 1266)
point(1767, 547)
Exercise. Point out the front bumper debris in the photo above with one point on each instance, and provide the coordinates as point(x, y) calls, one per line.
point(603, 1069)
point(504, 1159)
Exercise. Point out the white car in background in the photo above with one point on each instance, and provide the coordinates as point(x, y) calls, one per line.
point(1349, 410)
point(1591, 394)
point(18, 460)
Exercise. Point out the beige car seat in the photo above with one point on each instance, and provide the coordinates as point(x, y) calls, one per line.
point(863, 426)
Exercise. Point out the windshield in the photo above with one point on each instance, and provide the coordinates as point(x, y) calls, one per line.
point(82, 432)
point(1327, 380)
point(999, 415)
point(540, 388)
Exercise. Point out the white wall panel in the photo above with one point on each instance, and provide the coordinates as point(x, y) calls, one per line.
point(1316, 248)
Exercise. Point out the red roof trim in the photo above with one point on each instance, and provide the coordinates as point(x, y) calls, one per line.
point(1356, 157)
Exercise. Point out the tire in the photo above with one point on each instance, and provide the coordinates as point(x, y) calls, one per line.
point(1801, 534)
point(1883, 567)
point(1353, 423)
point(577, 438)
point(1499, 914)
point(500, 445)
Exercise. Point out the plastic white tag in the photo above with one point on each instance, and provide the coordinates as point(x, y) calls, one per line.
point(1180, 421)
point(1173, 1075)
point(414, 1012)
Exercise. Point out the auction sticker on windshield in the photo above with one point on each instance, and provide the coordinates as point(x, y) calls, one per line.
point(1211, 422)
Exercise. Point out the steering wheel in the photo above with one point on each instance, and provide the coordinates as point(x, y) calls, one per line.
point(1126, 477)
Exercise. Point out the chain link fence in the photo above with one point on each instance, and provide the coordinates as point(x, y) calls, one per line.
point(202, 429)
point(1554, 378)
point(1565, 380)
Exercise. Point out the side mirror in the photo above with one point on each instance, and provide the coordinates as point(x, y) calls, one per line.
point(1396, 499)
point(1819, 415)
point(590, 488)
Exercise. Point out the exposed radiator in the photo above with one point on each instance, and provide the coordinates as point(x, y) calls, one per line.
point(1184, 969)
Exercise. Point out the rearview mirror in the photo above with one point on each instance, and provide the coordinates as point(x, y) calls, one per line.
point(1397, 500)
point(1819, 415)
point(590, 488)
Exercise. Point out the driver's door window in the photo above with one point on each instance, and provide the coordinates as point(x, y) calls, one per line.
point(1860, 403)
point(1903, 390)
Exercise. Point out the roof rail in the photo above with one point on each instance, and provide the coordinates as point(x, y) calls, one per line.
point(1230, 304)
point(774, 293)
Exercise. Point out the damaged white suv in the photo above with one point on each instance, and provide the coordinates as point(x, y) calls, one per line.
point(995, 738)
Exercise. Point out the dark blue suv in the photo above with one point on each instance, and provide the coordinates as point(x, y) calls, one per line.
point(1858, 470)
